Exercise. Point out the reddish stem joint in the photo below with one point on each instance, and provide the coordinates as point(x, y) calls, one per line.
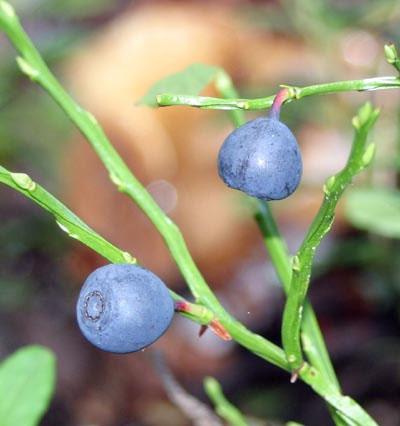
point(214, 324)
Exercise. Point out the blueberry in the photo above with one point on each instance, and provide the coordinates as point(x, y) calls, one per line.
point(123, 308)
point(262, 159)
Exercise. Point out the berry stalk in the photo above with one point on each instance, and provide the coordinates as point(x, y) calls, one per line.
point(279, 100)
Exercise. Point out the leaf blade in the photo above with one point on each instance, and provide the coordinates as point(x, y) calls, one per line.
point(190, 81)
point(27, 379)
point(374, 209)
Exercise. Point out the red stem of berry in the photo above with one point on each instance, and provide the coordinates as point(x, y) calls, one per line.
point(280, 98)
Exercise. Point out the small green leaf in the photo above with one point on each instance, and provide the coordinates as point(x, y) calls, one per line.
point(190, 81)
point(390, 53)
point(368, 155)
point(375, 210)
point(392, 56)
point(27, 380)
point(364, 113)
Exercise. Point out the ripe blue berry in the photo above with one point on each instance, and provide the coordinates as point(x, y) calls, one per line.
point(262, 159)
point(123, 308)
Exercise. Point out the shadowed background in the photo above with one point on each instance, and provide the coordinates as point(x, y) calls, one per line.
point(108, 54)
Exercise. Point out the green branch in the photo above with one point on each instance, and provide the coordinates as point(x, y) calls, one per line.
point(34, 67)
point(223, 407)
point(66, 220)
point(75, 228)
point(360, 157)
point(277, 249)
point(376, 83)
point(315, 348)
point(321, 375)
point(281, 260)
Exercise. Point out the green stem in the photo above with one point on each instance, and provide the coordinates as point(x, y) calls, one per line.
point(277, 249)
point(376, 83)
point(66, 220)
point(314, 345)
point(77, 229)
point(315, 348)
point(34, 67)
point(223, 407)
point(275, 244)
point(360, 156)
point(225, 86)
point(280, 258)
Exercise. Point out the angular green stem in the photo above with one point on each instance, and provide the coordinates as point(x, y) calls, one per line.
point(360, 156)
point(66, 220)
point(223, 407)
point(277, 249)
point(281, 259)
point(315, 349)
point(33, 66)
point(77, 229)
point(376, 83)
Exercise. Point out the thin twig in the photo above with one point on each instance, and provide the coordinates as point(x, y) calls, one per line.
point(198, 412)
point(205, 102)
